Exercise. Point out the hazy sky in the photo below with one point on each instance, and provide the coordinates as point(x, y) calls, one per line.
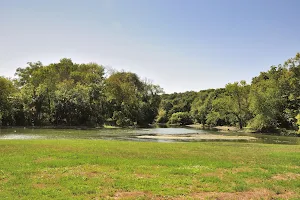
point(179, 44)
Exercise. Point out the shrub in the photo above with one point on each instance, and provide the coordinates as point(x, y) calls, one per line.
point(182, 118)
point(213, 118)
point(263, 123)
point(162, 116)
point(298, 122)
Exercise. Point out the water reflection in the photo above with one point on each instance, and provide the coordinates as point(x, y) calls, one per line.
point(168, 131)
point(20, 137)
point(167, 135)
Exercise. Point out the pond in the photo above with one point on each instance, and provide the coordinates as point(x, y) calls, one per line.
point(181, 134)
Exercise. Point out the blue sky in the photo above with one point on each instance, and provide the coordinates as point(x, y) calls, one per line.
point(179, 44)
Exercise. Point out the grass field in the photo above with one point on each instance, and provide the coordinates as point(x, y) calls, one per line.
point(95, 169)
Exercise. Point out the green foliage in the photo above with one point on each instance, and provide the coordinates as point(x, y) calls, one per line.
point(275, 96)
point(298, 122)
point(181, 118)
point(132, 101)
point(272, 101)
point(213, 118)
point(66, 93)
point(263, 123)
point(7, 90)
point(233, 104)
point(265, 105)
point(161, 116)
point(202, 105)
point(176, 102)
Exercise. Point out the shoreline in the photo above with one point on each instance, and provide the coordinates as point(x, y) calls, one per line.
point(223, 129)
point(196, 137)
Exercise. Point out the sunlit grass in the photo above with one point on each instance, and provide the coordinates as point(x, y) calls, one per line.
point(91, 169)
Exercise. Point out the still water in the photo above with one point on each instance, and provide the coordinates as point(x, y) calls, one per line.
point(150, 134)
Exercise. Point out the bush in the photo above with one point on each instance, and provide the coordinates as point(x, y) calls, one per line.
point(162, 116)
point(263, 123)
point(298, 122)
point(213, 118)
point(182, 118)
point(121, 119)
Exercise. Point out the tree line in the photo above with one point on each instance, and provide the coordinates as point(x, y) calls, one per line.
point(271, 102)
point(70, 94)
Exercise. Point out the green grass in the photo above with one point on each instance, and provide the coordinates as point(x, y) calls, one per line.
point(95, 169)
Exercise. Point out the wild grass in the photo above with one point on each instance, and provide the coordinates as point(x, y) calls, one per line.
point(98, 169)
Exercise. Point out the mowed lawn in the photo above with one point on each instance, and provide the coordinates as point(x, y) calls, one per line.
point(97, 169)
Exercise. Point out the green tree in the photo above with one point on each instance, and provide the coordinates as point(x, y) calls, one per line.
point(131, 100)
point(162, 116)
point(234, 103)
point(265, 103)
point(7, 89)
point(149, 103)
point(181, 118)
point(213, 118)
point(123, 91)
point(202, 106)
point(30, 79)
point(176, 102)
point(298, 122)
point(48, 92)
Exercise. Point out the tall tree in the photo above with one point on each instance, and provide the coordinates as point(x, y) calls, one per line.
point(131, 100)
point(202, 106)
point(234, 102)
point(6, 91)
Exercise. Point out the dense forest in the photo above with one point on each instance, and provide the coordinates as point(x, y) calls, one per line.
point(70, 94)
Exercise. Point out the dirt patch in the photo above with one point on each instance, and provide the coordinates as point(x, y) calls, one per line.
point(132, 195)
point(294, 167)
point(247, 195)
point(46, 174)
point(79, 171)
point(221, 172)
point(254, 180)
point(92, 174)
point(217, 173)
point(220, 128)
point(4, 177)
point(199, 126)
point(285, 177)
point(144, 176)
point(4, 180)
point(88, 171)
point(226, 128)
point(39, 186)
point(256, 194)
point(240, 170)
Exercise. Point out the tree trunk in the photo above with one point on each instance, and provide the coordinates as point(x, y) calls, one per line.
point(240, 123)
